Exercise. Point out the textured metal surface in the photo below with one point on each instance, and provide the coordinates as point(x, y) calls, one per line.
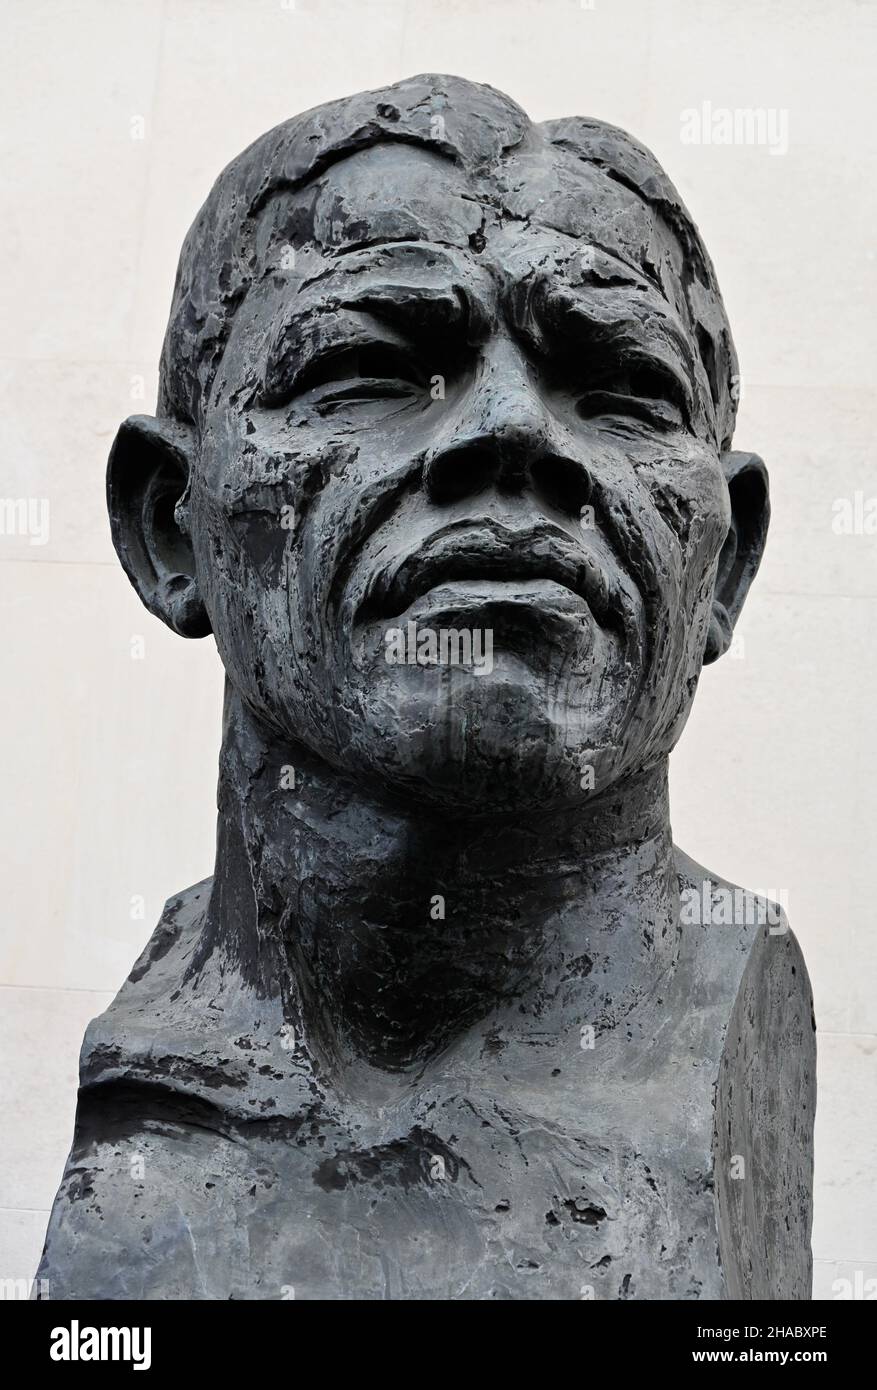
point(453, 1018)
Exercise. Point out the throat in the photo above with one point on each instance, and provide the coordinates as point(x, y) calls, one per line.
point(388, 931)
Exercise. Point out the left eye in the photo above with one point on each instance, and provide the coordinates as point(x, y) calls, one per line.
point(638, 391)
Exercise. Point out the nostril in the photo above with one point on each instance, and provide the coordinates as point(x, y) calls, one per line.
point(561, 482)
point(459, 473)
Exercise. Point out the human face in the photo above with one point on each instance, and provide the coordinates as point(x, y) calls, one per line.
point(471, 407)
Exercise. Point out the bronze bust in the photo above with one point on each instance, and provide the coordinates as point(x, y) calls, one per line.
point(442, 458)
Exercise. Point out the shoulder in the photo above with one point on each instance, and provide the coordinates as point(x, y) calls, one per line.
point(191, 1029)
point(181, 1079)
point(742, 940)
point(765, 1091)
point(744, 934)
point(706, 899)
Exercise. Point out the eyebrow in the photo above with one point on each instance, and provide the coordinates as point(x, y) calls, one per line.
point(405, 311)
point(333, 320)
point(390, 255)
point(411, 295)
point(629, 318)
point(446, 306)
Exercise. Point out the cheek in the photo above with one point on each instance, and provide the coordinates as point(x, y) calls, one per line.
point(249, 505)
point(685, 514)
point(242, 557)
point(264, 593)
point(689, 495)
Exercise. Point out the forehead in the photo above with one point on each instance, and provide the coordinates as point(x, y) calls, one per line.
point(533, 201)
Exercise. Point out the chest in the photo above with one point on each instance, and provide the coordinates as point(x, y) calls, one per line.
point(472, 1205)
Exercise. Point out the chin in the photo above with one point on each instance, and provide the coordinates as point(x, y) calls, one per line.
point(484, 744)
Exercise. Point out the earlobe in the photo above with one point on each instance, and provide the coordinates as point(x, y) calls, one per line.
point(746, 477)
point(147, 491)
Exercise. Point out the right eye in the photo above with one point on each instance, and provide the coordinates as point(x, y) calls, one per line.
point(369, 372)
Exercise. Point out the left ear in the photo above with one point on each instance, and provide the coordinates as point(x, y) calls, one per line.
point(741, 554)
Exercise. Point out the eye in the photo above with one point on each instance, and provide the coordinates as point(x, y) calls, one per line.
point(640, 390)
point(369, 372)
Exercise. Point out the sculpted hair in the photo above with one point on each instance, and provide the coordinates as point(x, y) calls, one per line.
point(476, 127)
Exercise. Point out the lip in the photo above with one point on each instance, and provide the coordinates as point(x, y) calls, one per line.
point(547, 597)
point(499, 563)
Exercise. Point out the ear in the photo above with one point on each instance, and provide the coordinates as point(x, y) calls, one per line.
point(147, 496)
point(741, 554)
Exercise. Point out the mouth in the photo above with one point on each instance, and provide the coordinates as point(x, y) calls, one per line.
point(543, 568)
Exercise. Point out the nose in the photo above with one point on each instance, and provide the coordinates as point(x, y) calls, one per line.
point(505, 438)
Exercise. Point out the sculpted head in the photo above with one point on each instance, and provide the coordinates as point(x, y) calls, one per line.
point(430, 362)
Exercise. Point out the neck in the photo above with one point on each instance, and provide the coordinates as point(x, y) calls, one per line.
point(387, 929)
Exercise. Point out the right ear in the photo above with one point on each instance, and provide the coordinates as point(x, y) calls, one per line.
point(147, 495)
